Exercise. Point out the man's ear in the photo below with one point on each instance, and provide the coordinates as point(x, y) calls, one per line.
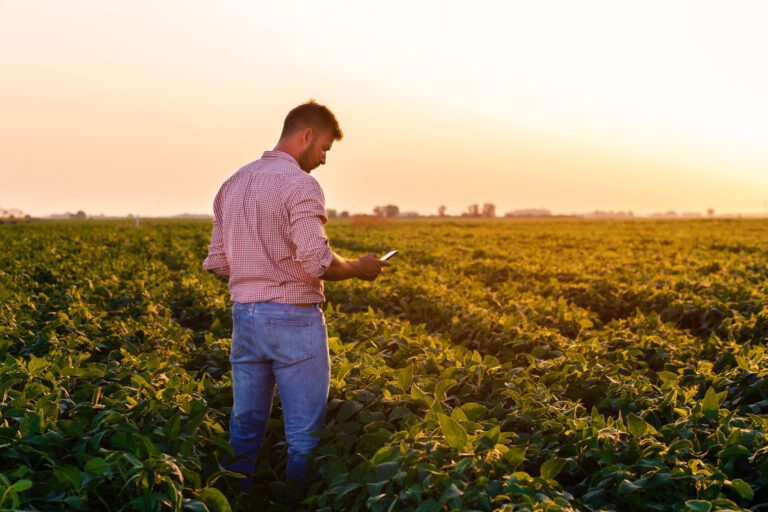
point(306, 136)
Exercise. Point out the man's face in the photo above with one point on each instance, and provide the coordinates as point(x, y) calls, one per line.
point(314, 155)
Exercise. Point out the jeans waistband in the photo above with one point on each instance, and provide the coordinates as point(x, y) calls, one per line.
point(278, 306)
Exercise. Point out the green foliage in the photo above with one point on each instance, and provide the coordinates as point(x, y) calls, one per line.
point(455, 435)
point(564, 365)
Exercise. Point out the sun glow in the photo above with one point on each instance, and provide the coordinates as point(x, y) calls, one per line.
point(147, 107)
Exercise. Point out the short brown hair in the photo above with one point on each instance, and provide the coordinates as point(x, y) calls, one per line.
point(311, 115)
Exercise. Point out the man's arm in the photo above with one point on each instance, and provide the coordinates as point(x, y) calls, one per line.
point(217, 259)
point(367, 267)
point(307, 217)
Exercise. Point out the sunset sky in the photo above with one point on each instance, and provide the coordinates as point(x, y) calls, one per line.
point(147, 106)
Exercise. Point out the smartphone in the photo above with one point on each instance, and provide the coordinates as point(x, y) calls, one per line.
point(388, 255)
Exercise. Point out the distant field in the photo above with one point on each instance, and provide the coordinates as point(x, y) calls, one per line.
point(501, 364)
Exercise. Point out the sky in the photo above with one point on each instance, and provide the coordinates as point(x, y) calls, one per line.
point(146, 107)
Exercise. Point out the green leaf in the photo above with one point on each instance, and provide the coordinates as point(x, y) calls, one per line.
point(636, 424)
point(551, 468)
point(722, 503)
point(680, 444)
point(146, 501)
point(494, 434)
point(347, 410)
point(76, 502)
point(30, 424)
point(450, 493)
point(721, 396)
point(140, 381)
point(668, 379)
point(733, 451)
point(428, 506)
point(214, 499)
point(386, 470)
point(136, 463)
point(405, 378)
point(97, 466)
point(442, 387)
point(627, 487)
point(474, 411)
point(459, 415)
point(455, 435)
point(374, 491)
point(195, 506)
point(699, 505)
point(25, 485)
point(173, 427)
point(515, 455)
point(710, 404)
point(68, 475)
point(463, 465)
point(743, 489)
point(36, 364)
point(335, 345)
point(385, 454)
point(347, 489)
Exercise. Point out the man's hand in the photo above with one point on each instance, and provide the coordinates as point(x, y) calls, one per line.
point(370, 267)
point(367, 267)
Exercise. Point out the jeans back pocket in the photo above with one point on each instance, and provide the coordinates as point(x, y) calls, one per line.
point(289, 339)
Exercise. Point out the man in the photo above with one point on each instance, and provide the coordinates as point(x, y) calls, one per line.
point(268, 239)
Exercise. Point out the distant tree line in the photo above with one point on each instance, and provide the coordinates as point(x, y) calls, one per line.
point(334, 214)
point(488, 210)
point(69, 215)
point(11, 213)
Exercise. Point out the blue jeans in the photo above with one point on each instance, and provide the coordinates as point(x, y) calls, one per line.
point(283, 344)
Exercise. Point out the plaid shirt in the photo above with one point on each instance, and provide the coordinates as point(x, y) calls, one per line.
point(268, 236)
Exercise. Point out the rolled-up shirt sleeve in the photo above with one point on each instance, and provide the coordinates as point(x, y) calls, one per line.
point(307, 217)
point(216, 261)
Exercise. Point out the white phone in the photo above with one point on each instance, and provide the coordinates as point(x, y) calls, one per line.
point(388, 255)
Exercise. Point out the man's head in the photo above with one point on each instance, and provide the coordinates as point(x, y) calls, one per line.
point(308, 133)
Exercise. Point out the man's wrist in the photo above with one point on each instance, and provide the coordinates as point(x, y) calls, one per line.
point(354, 268)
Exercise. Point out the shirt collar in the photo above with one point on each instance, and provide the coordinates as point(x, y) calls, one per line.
point(281, 155)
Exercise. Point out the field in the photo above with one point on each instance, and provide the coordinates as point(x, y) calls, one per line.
point(497, 365)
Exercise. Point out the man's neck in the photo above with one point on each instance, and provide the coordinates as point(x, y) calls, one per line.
point(287, 149)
